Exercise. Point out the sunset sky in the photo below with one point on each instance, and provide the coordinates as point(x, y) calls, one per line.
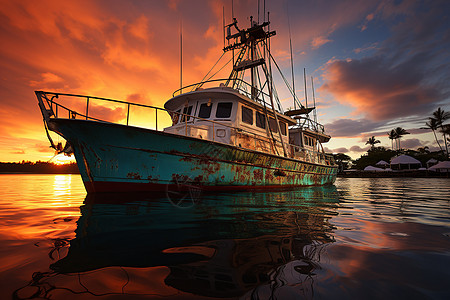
point(376, 64)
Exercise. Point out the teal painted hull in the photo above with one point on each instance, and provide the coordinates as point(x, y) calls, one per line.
point(114, 157)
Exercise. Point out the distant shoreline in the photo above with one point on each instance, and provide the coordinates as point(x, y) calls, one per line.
point(38, 168)
point(394, 174)
point(72, 168)
point(39, 173)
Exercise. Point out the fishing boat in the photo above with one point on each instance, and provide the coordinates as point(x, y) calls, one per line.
point(225, 134)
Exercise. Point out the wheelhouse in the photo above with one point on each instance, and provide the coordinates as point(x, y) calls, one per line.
point(224, 115)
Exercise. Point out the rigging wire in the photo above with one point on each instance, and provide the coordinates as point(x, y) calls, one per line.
point(300, 105)
point(268, 73)
point(202, 81)
point(274, 140)
point(219, 69)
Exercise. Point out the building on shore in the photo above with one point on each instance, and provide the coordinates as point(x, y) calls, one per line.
point(405, 162)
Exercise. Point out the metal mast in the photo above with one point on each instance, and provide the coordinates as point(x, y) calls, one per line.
point(247, 41)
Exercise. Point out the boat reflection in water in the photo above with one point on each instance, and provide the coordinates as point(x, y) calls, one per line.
point(229, 245)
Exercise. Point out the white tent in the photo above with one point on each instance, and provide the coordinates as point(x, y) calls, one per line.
point(431, 162)
point(443, 166)
point(403, 162)
point(373, 169)
point(382, 163)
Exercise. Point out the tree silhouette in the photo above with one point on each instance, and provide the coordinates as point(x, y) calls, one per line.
point(441, 116)
point(400, 132)
point(342, 160)
point(432, 124)
point(423, 150)
point(446, 131)
point(392, 136)
point(372, 141)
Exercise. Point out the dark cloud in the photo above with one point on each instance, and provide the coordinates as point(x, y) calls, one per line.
point(337, 150)
point(358, 149)
point(44, 148)
point(340, 150)
point(350, 127)
point(108, 114)
point(412, 143)
point(137, 98)
point(408, 75)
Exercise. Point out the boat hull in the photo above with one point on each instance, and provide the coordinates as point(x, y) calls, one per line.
point(119, 158)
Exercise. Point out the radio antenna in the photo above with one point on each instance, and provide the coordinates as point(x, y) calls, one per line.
point(292, 60)
point(264, 8)
point(306, 94)
point(223, 22)
point(181, 55)
point(232, 10)
point(314, 99)
point(258, 11)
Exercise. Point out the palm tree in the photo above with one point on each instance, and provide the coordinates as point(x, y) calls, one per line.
point(400, 132)
point(423, 150)
point(441, 116)
point(446, 131)
point(392, 136)
point(372, 141)
point(342, 160)
point(432, 124)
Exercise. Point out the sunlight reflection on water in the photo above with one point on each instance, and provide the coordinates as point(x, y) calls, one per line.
point(384, 237)
point(31, 202)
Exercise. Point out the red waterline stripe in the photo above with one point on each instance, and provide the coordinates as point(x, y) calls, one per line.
point(106, 187)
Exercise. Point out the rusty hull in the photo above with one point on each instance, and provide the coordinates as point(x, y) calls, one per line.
point(113, 157)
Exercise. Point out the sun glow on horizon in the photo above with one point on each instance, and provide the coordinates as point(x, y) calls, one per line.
point(62, 159)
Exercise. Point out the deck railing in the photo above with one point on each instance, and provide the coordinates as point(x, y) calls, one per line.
point(306, 122)
point(239, 85)
point(52, 109)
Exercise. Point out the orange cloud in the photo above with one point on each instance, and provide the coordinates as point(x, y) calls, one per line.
point(139, 28)
point(116, 50)
point(87, 47)
point(46, 78)
point(319, 41)
point(379, 90)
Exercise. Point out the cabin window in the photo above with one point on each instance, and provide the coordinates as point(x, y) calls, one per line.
point(247, 115)
point(309, 141)
point(273, 125)
point(283, 128)
point(205, 110)
point(186, 111)
point(224, 110)
point(260, 120)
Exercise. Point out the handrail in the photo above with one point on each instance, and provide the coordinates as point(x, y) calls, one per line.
point(73, 114)
point(187, 116)
point(98, 98)
point(311, 124)
point(238, 88)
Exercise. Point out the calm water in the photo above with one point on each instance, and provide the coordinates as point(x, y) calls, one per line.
point(360, 239)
